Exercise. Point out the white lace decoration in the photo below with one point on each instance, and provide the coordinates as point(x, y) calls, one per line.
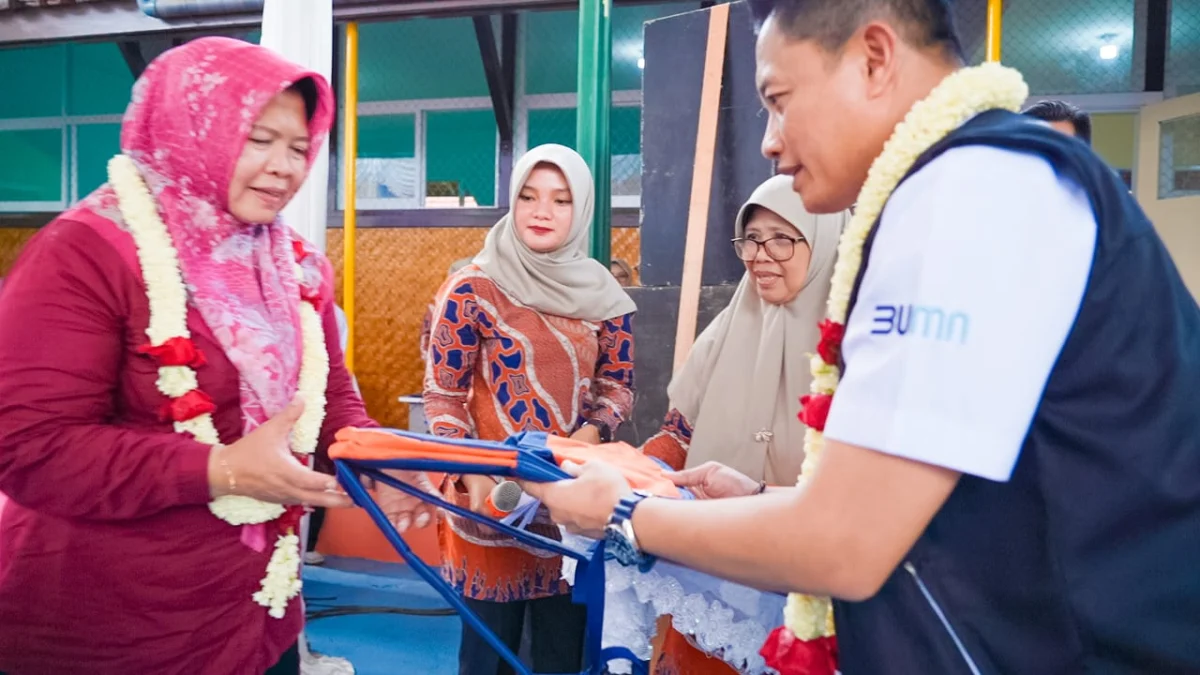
point(725, 620)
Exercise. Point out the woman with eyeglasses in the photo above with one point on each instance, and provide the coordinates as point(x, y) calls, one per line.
point(735, 402)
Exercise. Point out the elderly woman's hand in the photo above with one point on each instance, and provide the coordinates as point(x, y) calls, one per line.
point(260, 465)
point(401, 508)
point(713, 480)
point(582, 504)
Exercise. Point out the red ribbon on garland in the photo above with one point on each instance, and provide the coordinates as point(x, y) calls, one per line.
point(830, 347)
point(815, 410)
point(189, 406)
point(177, 351)
point(789, 655)
point(300, 250)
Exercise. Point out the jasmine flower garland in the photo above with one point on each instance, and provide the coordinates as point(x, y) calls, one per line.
point(958, 98)
point(168, 329)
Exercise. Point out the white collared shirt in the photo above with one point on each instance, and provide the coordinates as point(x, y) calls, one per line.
point(974, 281)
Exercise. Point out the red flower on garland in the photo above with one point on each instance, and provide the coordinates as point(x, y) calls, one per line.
point(300, 250)
point(189, 406)
point(312, 295)
point(792, 656)
point(815, 410)
point(178, 351)
point(290, 520)
point(830, 347)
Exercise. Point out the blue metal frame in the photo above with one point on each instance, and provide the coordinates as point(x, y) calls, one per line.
point(589, 575)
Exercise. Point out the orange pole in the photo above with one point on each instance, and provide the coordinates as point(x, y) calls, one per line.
point(995, 19)
point(350, 157)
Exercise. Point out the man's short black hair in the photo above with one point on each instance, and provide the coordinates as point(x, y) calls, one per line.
point(926, 23)
point(1061, 111)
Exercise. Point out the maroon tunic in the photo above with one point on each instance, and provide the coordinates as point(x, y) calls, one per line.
point(110, 561)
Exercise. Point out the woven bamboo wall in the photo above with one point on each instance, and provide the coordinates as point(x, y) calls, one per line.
point(399, 270)
point(12, 240)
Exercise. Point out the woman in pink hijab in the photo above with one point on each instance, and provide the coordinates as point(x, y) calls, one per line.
point(117, 556)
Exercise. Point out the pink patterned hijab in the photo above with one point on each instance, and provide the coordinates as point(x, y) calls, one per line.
point(189, 119)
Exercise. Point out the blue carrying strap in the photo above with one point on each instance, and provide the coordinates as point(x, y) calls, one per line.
point(589, 576)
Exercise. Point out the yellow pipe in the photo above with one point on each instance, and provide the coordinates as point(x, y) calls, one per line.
point(995, 20)
point(350, 171)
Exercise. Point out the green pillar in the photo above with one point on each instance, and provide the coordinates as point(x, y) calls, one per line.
point(594, 111)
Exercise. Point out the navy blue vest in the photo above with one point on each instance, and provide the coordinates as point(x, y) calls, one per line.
point(1088, 559)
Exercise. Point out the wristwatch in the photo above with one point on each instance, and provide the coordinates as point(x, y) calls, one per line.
point(620, 541)
point(606, 434)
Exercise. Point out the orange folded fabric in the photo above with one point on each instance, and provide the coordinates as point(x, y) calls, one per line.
point(642, 472)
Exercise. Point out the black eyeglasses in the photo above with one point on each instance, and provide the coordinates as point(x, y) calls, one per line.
point(780, 248)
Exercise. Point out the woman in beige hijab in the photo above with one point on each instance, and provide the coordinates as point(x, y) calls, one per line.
point(533, 335)
point(736, 399)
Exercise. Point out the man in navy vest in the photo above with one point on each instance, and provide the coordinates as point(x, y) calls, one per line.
point(1022, 498)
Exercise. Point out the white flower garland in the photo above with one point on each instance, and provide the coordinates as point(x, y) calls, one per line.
point(955, 100)
point(167, 294)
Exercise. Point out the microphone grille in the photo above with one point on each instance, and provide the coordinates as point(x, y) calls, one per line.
point(506, 495)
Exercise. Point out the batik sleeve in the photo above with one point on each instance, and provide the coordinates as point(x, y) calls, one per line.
point(612, 387)
point(454, 344)
point(671, 442)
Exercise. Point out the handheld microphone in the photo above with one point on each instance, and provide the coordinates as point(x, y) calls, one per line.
point(503, 498)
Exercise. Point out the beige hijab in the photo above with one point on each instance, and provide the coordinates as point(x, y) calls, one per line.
point(742, 382)
point(565, 282)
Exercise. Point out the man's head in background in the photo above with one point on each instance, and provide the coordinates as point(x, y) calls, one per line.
point(621, 271)
point(1065, 117)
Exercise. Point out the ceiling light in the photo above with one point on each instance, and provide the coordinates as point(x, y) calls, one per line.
point(1108, 47)
point(641, 63)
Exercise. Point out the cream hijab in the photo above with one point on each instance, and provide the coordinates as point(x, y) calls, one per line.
point(565, 282)
point(742, 382)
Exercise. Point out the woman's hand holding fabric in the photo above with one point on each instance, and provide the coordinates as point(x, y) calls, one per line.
point(583, 504)
point(478, 489)
point(588, 433)
point(713, 480)
point(260, 465)
point(401, 508)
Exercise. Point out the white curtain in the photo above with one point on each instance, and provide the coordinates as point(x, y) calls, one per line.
point(302, 31)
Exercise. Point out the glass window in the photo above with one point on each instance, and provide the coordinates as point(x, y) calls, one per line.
point(552, 46)
point(1070, 47)
point(557, 125)
point(388, 172)
point(99, 81)
point(1179, 158)
point(626, 144)
point(32, 85)
point(1183, 55)
point(420, 59)
point(460, 158)
point(552, 125)
point(95, 144)
point(32, 169)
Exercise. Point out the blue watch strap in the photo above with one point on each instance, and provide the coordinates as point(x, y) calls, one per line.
point(620, 545)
